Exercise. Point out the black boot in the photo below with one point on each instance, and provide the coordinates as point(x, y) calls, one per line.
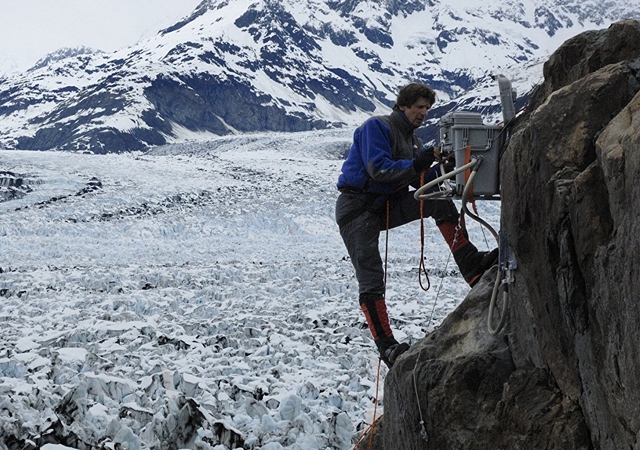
point(472, 263)
point(390, 350)
point(393, 353)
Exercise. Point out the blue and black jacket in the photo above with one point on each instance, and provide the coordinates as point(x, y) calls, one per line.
point(380, 164)
point(380, 160)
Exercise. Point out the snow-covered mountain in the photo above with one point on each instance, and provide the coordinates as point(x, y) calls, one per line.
point(7, 66)
point(283, 65)
point(62, 54)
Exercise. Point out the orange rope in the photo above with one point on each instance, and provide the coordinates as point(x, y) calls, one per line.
point(470, 198)
point(467, 173)
point(386, 245)
point(422, 269)
point(375, 406)
point(372, 427)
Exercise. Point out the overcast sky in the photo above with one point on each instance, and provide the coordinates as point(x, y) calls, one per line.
point(29, 29)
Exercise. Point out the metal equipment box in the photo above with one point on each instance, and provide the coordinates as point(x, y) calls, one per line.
point(459, 130)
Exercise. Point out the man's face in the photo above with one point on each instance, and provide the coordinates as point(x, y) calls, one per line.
point(417, 112)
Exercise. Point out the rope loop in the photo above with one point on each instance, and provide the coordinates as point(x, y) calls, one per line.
point(422, 269)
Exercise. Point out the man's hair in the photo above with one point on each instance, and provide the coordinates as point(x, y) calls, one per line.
point(412, 92)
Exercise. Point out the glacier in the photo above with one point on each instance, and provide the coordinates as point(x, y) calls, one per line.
point(201, 285)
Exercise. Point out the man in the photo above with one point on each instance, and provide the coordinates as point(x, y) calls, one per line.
point(385, 158)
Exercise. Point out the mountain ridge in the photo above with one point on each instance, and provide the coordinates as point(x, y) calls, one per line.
point(278, 65)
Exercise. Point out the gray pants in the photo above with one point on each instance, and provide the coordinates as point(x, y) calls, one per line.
point(366, 218)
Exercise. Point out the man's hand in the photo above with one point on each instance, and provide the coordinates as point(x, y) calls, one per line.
point(437, 153)
point(424, 160)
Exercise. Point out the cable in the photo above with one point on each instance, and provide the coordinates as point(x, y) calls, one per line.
point(496, 287)
point(418, 194)
point(503, 314)
point(435, 302)
point(423, 430)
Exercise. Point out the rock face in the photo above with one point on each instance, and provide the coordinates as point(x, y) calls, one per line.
point(563, 372)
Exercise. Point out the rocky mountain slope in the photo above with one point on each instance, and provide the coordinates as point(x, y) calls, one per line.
point(285, 65)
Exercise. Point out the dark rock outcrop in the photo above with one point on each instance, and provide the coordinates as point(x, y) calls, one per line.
point(563, 373)
point(462, 382)
point(12, 186)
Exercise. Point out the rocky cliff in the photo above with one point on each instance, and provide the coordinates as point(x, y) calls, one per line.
point(562, 374)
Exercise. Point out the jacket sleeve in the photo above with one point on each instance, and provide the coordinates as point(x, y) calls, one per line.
point(376, 153)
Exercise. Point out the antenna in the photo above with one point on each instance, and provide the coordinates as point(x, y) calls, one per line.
point(507, 98)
